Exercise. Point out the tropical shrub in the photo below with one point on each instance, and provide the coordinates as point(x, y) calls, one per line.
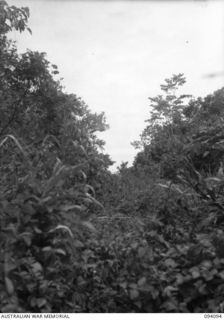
point(76, 237)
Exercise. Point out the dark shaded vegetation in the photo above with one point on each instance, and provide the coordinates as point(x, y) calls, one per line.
point(75, 237)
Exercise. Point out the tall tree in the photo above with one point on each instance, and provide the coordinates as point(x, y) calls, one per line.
point(182, 128)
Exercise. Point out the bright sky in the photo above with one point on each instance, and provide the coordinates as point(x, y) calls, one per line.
point(115, 54)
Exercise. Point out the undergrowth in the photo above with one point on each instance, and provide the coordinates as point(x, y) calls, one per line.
point(76, 238)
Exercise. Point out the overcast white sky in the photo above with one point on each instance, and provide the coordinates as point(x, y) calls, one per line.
point(115, 54)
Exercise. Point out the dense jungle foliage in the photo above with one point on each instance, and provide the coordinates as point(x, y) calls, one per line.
point(76, 237)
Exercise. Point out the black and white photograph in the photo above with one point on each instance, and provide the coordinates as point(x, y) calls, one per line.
point(111, 157)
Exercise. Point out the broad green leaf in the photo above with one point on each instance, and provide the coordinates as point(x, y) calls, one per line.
point(94, 200)
point(47, 249)
point(134, 294)
point(169, 290)
point(9, 286)
point(78, 244)
point(170, 263)
point(141, 252)
point(142, 281)
point(41, 302)
point(68, 207)
point(37, 267)
point(89, 225)
point(62, 227)
point(60, 251)
point(195, 274)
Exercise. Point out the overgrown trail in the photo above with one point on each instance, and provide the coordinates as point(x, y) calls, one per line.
point(77, 238)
